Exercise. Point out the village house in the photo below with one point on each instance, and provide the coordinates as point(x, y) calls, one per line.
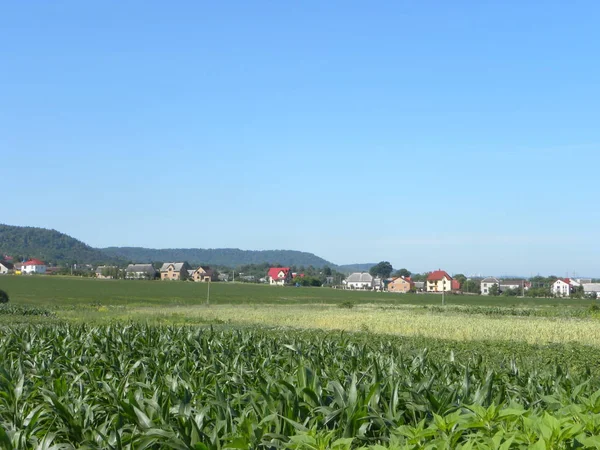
point(140, 272)
point(6, 267)
point(174, 271)
point(419, 285)
point(279, 276)
point(487, 283)
point(440, 281)
point(33, 266)
point(106, 272)
point(591, 289)
point(400, 284)
point(563, 287)
point(359, 280)
point(203, 274)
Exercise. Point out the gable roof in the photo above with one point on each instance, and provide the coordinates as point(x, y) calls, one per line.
point(7, 264)
point(149, 268)
point(437, 275)
point(274, 272)
point(455, 285)
point(176, 266)
point(34, 262)
point(360, 277)
point(402, 280)
point(491, 280)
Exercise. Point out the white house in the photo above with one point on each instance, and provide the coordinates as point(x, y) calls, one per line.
point(33, 266)
point(6, 267)
point(563, 287)
point(591, 288)
point(359, 280)
point(279, 276)
point(140, 271)
point(487, 283)
point(440, 281)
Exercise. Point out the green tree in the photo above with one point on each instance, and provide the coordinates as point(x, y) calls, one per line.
point(494, 290)
point(382, 269)
point(327, 271)
point(461, 279)
point(402, 273)
point(3, 297)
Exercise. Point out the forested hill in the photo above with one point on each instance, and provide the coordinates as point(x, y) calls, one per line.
point(349, 268)
point(50, 246)
point(229, 257)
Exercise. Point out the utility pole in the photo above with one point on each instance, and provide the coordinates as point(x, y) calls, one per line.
point(443, 296)
point(208, 293)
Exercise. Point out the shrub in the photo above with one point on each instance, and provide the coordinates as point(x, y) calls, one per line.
point(3, 296)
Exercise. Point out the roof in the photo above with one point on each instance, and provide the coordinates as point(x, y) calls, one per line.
point(490, 280)
point(359, 277)
point(7, 264)
point(437, 275)
point(455, 285)
point(34, 262)
point(591, 287)
point(176, 266)
point(402, 279)
point(140, 268)
point(274, 272)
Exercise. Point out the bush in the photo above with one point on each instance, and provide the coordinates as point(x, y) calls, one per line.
point(3, 296)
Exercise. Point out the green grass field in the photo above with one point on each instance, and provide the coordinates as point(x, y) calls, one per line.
point(61, 291)
point(464, 318)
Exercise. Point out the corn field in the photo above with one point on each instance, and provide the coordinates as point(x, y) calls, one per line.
point(145, 387)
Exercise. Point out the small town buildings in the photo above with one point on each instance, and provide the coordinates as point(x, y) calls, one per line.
point(378, 284)
point(419, 286)
point(140, 272)
point(400, 284)
point(33, 266)
point(487, 283)
point(563, 287)
point(591, 289)
point(223, 276)
point(440, 281)
point(359, 280)
point(514, 284)
point(174, 271)
point(279, 276)
point(107, 272)
point(503, 285)
point(6, 267)
point(203, 274)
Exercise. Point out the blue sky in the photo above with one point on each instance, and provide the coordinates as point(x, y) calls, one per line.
point(454, 135)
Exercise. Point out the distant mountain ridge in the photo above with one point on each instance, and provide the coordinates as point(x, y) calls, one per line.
point(230, 257)
point(51, 246)
point(58, 248)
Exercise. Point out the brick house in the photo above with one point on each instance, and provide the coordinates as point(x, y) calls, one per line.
point(400, 284)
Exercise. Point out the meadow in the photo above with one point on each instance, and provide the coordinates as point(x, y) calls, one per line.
point(116, 364)
point(73, 291)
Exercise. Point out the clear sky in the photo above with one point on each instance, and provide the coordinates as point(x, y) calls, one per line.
point(458, 135)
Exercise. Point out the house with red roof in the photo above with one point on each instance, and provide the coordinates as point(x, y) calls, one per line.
point(440, 281)
point(401, 285)
point(33, 266)
point(564, 286)
point(279, 276)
